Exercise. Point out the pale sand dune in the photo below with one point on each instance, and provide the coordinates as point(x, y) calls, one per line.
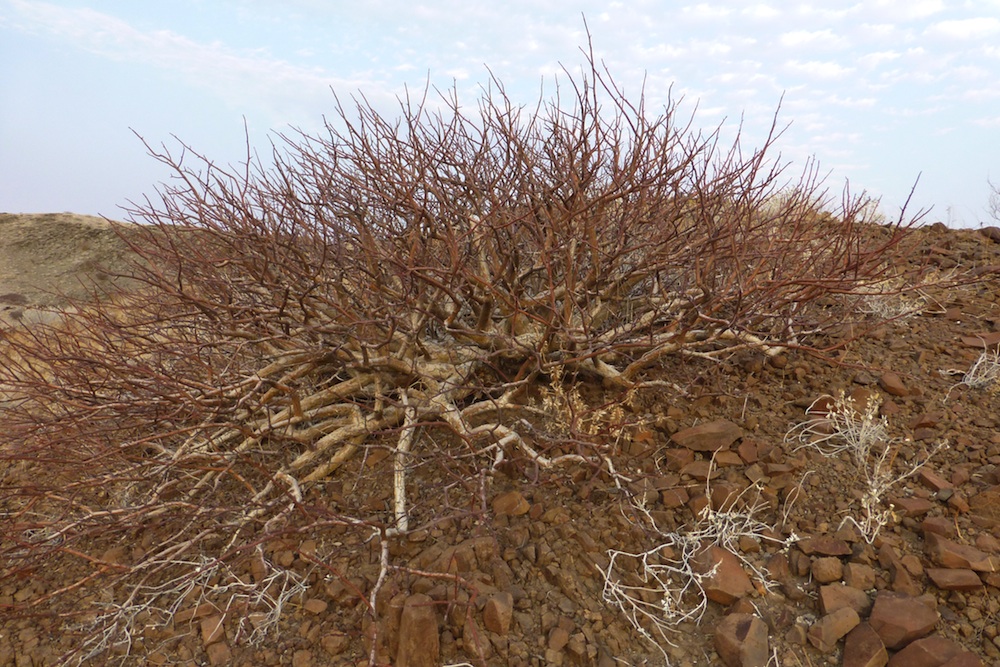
point(47, 259)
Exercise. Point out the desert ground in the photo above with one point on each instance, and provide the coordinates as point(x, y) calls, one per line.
point(522, 577)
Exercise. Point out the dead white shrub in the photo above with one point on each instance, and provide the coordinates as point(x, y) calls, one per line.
point(864, 436)
point(660, 589)
point(983, 374)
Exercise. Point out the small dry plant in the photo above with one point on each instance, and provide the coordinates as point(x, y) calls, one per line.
point(983, 374)
point(661, 589)
point(383, 279)
point(841, 427)
point(892, 299)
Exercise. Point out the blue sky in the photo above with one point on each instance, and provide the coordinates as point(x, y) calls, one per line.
point(879, 91)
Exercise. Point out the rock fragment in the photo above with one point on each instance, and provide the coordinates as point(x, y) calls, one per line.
point(824, 546)
point(419, 642)
point(729, 582)
point(709, 436)
point(933, 651)
point(864, 648)
point(893, 384)
point(827, 631)
point(957, 579)
point(837, 596)
point(827, 569)
point(511, 503)
point(741, 641)
point(498, 613)
point(900, 619)
point(950, 554)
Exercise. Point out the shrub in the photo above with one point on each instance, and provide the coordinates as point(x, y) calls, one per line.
point(842, 427)
point(401, 283)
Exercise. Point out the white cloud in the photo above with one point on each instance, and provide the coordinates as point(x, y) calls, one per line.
point(977, 28)
point(851, 102)
point(237, 76)
point(812, 38)
point(813, 13)
point(659, 52)
point(970, 72)
point(873, 60)
point(980, 94)
point(705, 11)
point(907, 10)
point(761, 12)
point(879, 30)
point(711, 48)
point(818, 69)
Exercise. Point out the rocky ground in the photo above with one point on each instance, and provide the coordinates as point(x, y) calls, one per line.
point(522, 568)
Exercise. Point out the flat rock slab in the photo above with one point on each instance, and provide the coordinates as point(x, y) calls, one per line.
point(900, 619)
point(709, 437)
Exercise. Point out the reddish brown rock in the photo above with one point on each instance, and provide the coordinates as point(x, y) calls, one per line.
point(725, 459)
point(315, 605)
point(498, 612)
point(827, 569)
point(958, 579)
point(212, 629)
point(419, 642)
point(558, 638)
point(824, 546)
point(709, 436)
point(723, 496)
point(932, 651)
point(678, 457)
point(837, 596)
point(958, 503)
point(926, 420)
point(512, 503)
point(864, 648)
point(981, 340)
point(964, 659)
point(827, 631)
point(986, 504)
point(913, 507)
point(729, 582)
point(778, 568)
point(932, 480)
point(899, 619)
point(673, 498)
point(219, 654)
point(939, 525)
point(701, 470)
point(859, 576)
point(988, 543)
point(893, 384)
point(992, 233)
point(747, 449)
point(951, 554)
point(741, 641)
point(475, 643)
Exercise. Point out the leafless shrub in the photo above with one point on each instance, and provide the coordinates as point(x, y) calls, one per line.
point(389, 278)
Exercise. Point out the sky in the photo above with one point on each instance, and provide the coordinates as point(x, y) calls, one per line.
point(883, 94)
